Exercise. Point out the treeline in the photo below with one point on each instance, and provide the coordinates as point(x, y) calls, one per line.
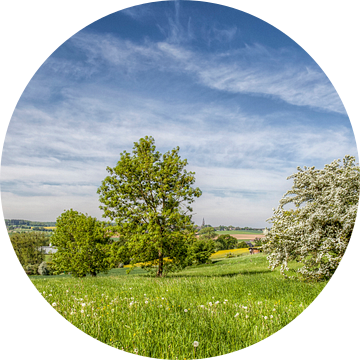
point(18, 222)
point(230, 227)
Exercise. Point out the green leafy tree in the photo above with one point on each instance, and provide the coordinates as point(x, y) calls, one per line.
point(207, 233)
point(242, 245)
point(226, 242)
point(317, 230)
point(27, 247)
point(82, 244)
point(200, 251)
point(148, 195)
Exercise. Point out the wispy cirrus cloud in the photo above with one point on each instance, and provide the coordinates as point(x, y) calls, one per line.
point(251, 70)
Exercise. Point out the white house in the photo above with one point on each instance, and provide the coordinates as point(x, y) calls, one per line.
point(47, 250)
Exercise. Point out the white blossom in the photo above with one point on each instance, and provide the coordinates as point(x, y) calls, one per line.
point(317, 231)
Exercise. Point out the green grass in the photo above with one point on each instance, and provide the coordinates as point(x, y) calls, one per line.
point(146, 315)
point(250, 232)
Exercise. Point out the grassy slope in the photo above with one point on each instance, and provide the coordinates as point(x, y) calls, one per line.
point(157, 325)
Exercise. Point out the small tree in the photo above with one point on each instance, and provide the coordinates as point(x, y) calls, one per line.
point(200, 251)
point(148, 195)
point(226, 242)
point(242, 245)
point(27, 247)
point(82, 245)
point(317, 231)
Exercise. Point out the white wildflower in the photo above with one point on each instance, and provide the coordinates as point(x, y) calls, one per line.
point(54, 304)
point(196, 344)
point(265, 317)
point(186, 310)
point(236, 315)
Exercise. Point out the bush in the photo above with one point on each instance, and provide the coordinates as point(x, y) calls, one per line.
point(42, 269)
point(50, 267)
point(31, 269)
point(27, 247)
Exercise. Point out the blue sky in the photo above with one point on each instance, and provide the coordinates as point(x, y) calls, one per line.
point(244, 102)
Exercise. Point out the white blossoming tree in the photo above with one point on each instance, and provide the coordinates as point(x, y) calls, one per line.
point(317, 230)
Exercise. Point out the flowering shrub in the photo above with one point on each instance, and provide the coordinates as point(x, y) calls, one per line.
point(317, 231)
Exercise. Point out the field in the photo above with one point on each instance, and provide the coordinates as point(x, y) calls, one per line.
point(224, 306)
point(240, 232)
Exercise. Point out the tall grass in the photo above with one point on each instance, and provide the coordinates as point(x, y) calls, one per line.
point(226, 306)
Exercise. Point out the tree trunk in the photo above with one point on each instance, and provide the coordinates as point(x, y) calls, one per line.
point(161, 265)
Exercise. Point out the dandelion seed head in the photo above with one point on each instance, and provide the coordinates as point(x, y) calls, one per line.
point(196, 343)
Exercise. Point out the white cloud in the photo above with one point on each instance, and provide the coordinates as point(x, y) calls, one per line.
point(253, 69)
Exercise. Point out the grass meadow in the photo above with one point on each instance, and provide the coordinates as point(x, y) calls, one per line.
point(225, 306)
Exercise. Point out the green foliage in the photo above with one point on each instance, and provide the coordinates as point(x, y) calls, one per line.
point(148, 195)
point(27, 247)
point(226, 242)
point(200, 251)
point(82, 243)
point(242, 245)
point(50, 267)
point(207, 233)
point(31, 269)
